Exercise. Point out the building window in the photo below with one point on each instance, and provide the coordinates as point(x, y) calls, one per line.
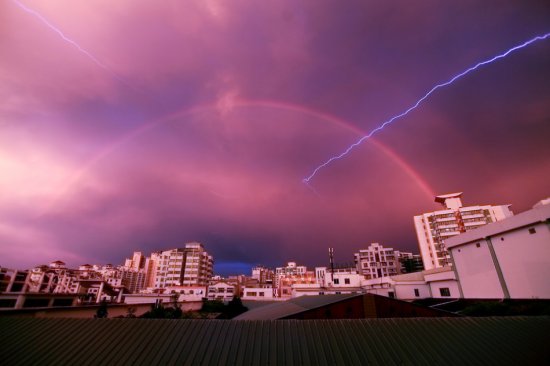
point(478, 245)
point(346, 281)
point(444, 291)
point(416, 292)
point(391, 295)
point(336, 281)
point(532, 230)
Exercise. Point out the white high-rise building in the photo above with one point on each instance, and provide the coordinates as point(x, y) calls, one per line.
point(433, 228)
point(189, 266)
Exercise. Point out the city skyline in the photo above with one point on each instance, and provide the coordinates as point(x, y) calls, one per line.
point(201, 119)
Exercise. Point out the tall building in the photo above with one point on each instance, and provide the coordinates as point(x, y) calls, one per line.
point(151, 264)
point(188, 266)
point(433, 228)
point(263, 275)
point(135, 263)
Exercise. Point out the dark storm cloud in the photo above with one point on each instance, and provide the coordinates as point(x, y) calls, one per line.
point(223, 108)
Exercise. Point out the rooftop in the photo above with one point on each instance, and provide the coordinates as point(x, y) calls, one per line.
point(443, 197)
point(432, 341)
point(293, 306)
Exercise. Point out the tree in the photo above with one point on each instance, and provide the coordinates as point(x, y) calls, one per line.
point(131, 312)
point(102, 310)
point(234, 308)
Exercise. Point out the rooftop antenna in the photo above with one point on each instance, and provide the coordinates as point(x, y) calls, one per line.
point(331, 257)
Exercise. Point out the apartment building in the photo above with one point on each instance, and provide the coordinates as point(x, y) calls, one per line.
point(188, 266)
point(433, 228)
point(263, 275)
point(222, 291)
point(378, 261)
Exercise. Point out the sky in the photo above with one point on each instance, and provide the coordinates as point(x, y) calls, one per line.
point(140, 126)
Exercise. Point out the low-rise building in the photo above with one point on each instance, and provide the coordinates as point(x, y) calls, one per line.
point(258, 294)
point(433, 283)
point(222, 291)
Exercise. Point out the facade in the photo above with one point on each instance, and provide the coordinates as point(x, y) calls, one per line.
point(291, 269)
point(289, 282)
point(258, 294)
point(263, 275)
point(289, 275)
point(221, 291)
point(409, 263)
point(434, 228)
point(136, 263)
point(188, 266)
point(507, 259)
point(132, 280)
point(151, 265)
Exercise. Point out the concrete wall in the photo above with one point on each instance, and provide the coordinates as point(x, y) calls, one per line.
point(443, 280)
point(452, 285)
point(249, 291)
point(525, 261)
point(405, 290)
point(476, 271)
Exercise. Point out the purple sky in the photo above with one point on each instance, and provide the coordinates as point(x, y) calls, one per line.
point(208, 114)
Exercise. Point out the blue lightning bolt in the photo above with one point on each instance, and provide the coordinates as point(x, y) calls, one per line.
point(63, 36)
point(432, 90)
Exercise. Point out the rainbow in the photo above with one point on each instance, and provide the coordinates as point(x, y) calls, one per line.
point(76, 176)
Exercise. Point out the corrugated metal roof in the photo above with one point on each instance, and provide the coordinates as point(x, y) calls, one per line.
point(292, 306)
point(434, 341)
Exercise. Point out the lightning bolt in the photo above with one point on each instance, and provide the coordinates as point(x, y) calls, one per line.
point(64, 37)
point(415, 105)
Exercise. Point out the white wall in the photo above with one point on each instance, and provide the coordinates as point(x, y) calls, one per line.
point(423, 244)
point(405, 290)
point(525, 261)
point(476, 271)
point(257, 293)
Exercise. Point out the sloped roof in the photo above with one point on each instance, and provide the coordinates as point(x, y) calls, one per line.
point(431, 341)
point(408, 277)
point(293, 306)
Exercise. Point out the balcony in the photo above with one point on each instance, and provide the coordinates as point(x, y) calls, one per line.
point(474, 223)
point(472, 216)
point(449, 233)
